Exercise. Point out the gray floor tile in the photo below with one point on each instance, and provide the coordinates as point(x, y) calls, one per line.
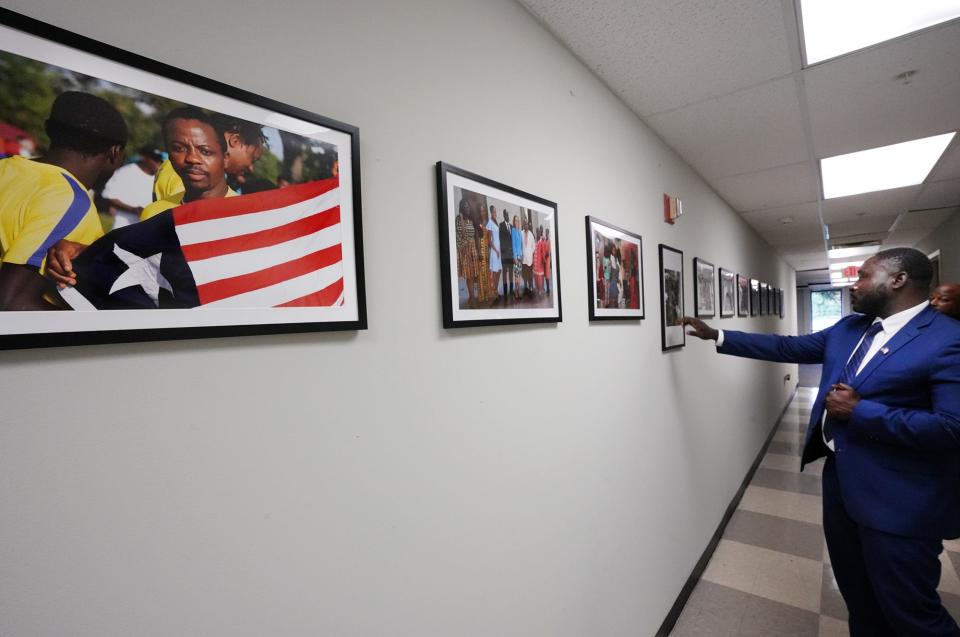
point(786, 481)
point(952, 603)
point(765, 618)
point(719, 611)
point(785, 448)
point(779, 534)
point(712, 611)
point(955, 558)
point(794, 426)
point(814, 468)
point(831, 602)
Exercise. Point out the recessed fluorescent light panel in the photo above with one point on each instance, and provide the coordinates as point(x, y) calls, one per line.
point(893, 166)
point(832, 28)
point(858, 251)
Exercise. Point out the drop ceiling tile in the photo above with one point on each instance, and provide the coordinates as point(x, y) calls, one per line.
point(751, 130)
point(908, 238)
point(865, 225)
point(927, 220)
point(792, 236)
point(949, 165)
point(803, 215)
point(661, 55)
point(770, 188)
point(856, 102)
point(870, 204)
point(939, 194)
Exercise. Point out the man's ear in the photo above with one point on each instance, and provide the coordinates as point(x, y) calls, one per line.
point(115, 155)
point(233, 140)
point(900, 279)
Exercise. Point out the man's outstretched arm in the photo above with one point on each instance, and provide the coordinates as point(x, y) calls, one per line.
point(767, 347)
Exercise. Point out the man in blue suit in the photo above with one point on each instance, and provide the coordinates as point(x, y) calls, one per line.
point(887, 418)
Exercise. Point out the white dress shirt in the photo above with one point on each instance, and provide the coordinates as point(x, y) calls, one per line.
point(891, 325)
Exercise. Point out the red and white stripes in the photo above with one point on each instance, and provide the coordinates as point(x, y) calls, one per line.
point(279, 248)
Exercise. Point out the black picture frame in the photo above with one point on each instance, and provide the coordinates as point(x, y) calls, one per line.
point(728, 293)
point(704, 288)
point(467, 298)
point(764, 298)
point(672, 333)
point(29, 41)
point(601, 236)
point(754, 297)
point(780, 301)
point(743, 295)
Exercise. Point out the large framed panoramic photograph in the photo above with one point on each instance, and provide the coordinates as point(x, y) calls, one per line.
point(155, 204)
point(672, 335)
point(705, 282)
point(743, 295)
point(615, 269)
point(728, 293)
point(499, 260)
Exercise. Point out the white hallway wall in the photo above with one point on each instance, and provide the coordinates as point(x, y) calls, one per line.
point(405, 480)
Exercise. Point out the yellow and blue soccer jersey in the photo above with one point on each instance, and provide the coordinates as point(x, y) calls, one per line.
point(152, 210)
point(166, 183)
point(41, 204)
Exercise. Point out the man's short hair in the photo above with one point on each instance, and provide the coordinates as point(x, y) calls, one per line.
point(85, 123)
point(909, 260)
point(250, 133)
point(194, 113)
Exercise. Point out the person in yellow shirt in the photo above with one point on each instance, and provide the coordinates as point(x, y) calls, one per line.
point(45, 201)
point(244, 144)
point(197, 150)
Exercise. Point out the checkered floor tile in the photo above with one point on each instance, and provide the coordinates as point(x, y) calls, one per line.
point(770, 574)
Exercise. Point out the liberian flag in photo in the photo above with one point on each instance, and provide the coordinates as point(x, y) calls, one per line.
point(278, 248)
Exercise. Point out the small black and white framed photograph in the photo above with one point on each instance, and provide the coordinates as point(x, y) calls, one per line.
point(743, 295)
point(754, 297)
point(672, 335)
point(728, 293)
point(705, 284)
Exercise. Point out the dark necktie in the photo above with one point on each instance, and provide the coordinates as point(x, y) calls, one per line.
point(850, 370)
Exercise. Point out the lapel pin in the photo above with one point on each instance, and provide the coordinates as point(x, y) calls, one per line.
point(884, 350)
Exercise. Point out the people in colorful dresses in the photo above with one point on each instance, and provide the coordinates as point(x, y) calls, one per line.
point(538, 263)
point(506, 254)
point(547, 261)
point(529, 246)
point(484, 293)
point(467, 257)
point(516, 234)
point(493, 236)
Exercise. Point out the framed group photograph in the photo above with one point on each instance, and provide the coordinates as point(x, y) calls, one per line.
point(728, 293)
point(754, 297)
point(615, 272)
point(672, 334)
point(499, 261)
point(743, 295)
point(158, 204)
point(703, 290)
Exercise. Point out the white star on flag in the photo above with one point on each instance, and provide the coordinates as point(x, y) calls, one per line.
point(141, 271)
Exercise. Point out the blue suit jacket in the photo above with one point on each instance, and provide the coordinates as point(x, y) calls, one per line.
point(898, 457)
